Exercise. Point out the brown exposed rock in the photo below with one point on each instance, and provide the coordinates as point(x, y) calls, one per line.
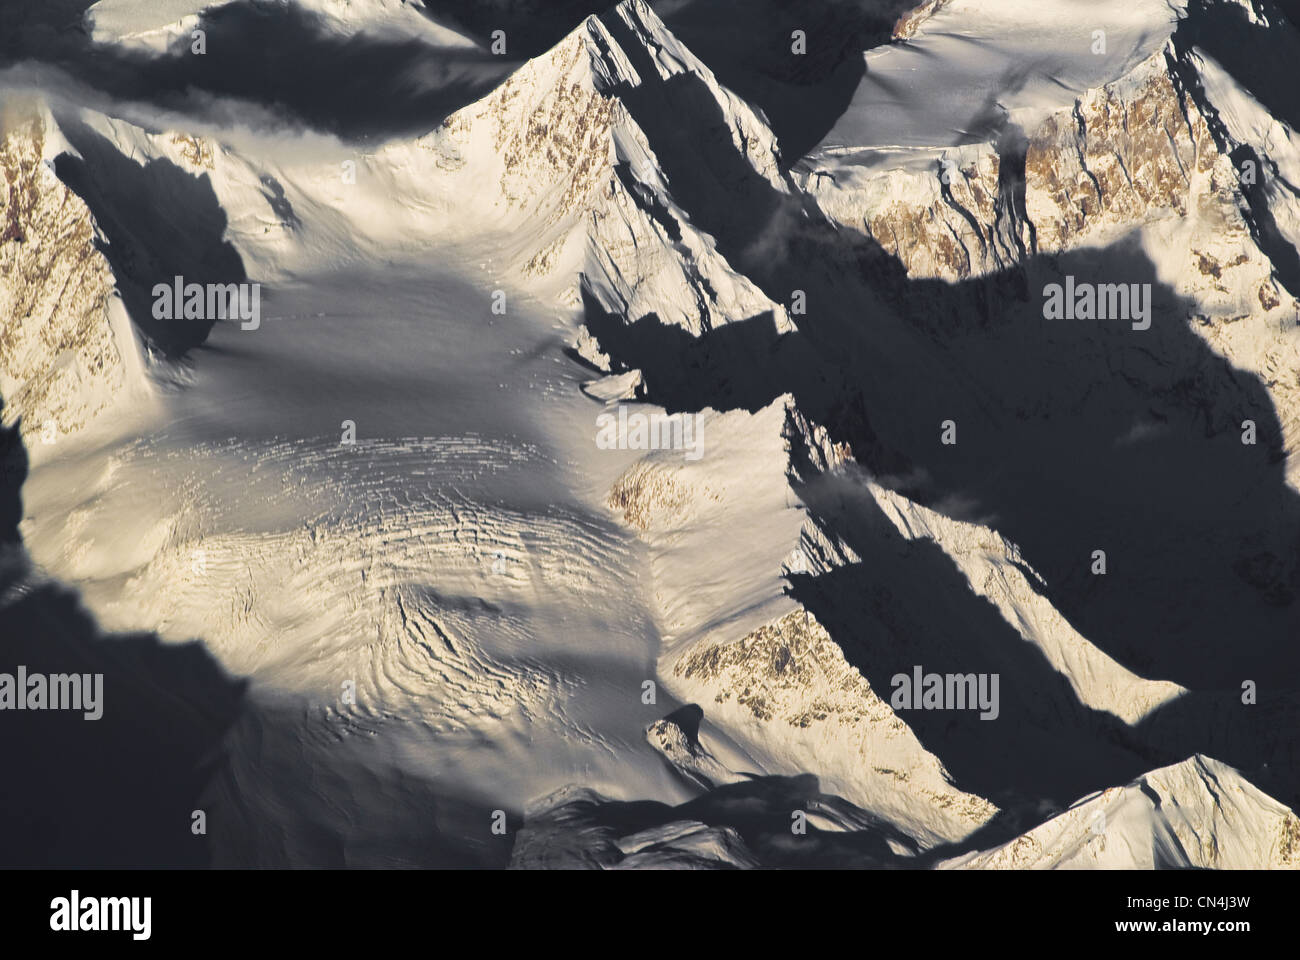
point(907, 25)
point(59, 362)
point(1125, 150)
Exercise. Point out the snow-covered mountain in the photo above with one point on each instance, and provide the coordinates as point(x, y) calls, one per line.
point(1173, 817)
point(616, 453)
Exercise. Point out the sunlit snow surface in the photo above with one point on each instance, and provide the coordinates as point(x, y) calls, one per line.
point(977, 61)
point(441, 618)
point(453, 563)
point(386, 509)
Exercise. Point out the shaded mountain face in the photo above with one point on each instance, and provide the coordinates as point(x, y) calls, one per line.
point(689, 434)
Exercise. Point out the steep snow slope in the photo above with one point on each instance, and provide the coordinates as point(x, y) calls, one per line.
point(68, 354)
point(973, 62)
point(786, 692)
point(1196, 814)
point(1121, 153)
point(766, 674)
point(549, 170)
point(1148, 150)
point(995, 570)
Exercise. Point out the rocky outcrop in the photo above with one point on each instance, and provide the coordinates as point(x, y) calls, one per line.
point(67, 352)
point(1121, 154)
point(569, 160)
point(787, 691)
point(906, 25)
point(1167, 155)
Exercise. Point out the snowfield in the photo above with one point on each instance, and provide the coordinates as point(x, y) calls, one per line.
point(381, 512)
